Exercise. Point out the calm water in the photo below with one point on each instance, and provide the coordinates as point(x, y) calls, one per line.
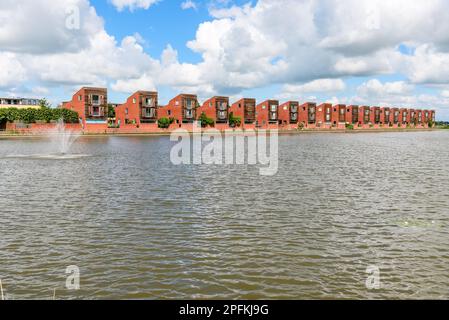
point(140, 228)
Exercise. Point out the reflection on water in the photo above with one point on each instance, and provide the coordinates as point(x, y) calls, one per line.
point(139, 227)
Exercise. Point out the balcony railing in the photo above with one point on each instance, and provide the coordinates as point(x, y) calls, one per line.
point(222, 115)
point(222, 106)
point(149, 113)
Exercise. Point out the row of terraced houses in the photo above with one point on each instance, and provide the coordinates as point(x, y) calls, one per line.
point(142, 110)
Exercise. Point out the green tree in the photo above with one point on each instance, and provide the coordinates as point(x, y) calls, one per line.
point(111, 111)
point(43, 103)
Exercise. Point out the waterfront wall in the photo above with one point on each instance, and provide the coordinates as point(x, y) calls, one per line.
point(38, 128)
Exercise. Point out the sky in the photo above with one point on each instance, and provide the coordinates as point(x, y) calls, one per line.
point(363, 52)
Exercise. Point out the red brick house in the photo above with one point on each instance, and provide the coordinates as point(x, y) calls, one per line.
point(364, 116)
point(375, 116)
point(412, 116)
point(324, 115)
point(352, 114)
point(182, 108)
point(385, 116)
point(426, 116)
point(432, 115)
point(216, 108)
point(245, 109)
point(139, 108)
point(307, 114)
point(288, 113)
point(394, 117)
point(404, 117)
point(267, 113)
point(339, 116)
point(91, 105)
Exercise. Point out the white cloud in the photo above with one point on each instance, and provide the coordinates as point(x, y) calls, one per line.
point(189, 4)
point(294, 91)
point(320, 85)
point(13, 73)
point(133, 4)
point(428, 65)
point(299, 42)
point(374, 88)
point(41, 27)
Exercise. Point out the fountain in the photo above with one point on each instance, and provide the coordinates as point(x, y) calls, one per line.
point(62, 138)
point(61, 142)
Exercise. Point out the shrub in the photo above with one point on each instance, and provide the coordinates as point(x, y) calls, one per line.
point(301, 126)
point(164, 123)
point(349, 126)
point(234, 121)
point(205, 121)
point(44, 114)
point(431, 124)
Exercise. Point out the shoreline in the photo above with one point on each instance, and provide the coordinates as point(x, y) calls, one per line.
point(4, 136)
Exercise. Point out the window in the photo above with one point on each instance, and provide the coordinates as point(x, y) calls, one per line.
point(149, 113)
point(96, 111)
point(134, 100)
point(342, 115)
point(274, 108)
point(328, 114)
point(80, 98)
point(169, 112)
point(222, 115)
point(189, 114)
point(377, 116)
point(95, 99)
point(126, 111)
point(312, 114)
point(189, 104)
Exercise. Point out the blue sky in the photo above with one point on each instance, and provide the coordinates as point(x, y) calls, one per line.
point(353, 52)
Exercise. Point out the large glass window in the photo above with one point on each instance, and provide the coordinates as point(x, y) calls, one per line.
point(95, 99)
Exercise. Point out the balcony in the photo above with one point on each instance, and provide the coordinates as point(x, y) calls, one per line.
point(149, 113)
point(222, 106)
point(273, 116)
point(189, 115)
point(222, 116)
point(148, 103)
point(96, 112)
point(294, 117)
point(190, 104)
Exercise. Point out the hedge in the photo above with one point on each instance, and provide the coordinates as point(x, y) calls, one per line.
point(41, 114)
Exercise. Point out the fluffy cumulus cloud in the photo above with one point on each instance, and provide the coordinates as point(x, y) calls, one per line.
point(290, 41)
point(328, 86)
point(64, 51)
point(133, 4)
point(398, 94)
point(304, 46)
